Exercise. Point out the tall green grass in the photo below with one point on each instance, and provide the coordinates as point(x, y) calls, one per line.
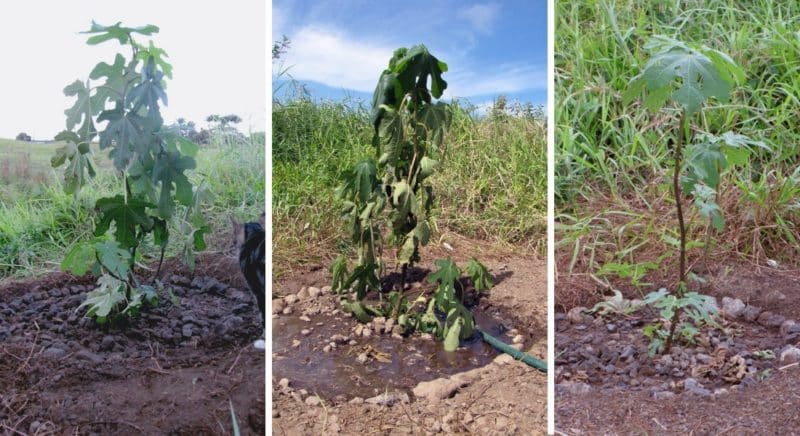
point(39, 222)
point(613, 162)
point(491, 184)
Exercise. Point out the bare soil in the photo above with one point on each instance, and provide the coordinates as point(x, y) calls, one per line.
point(173, 370)
point(602, 388)
point(502, 397)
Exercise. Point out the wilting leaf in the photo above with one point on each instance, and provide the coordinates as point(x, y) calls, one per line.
point(106, 297)
point(113, 258)
point(479, 275)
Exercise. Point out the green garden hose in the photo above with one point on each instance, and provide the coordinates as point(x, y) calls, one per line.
point(513, 352)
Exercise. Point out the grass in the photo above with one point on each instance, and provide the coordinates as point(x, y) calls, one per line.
point(491, 185)
point(39, 222)
point(612, 162)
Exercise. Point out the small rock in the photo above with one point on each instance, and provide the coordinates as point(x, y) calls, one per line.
point(503, 359)
point(278, 305)
point(107, 343)
point(389, 399)
point(327, 348)
point(627, 352)
point(576, 315)
point(787, 326)
point(611, 327)
point(356, 400)
point(663, 395)
point(54, 352)
point(314, 291)
point(326, 289)
point(295, 343)
point(518, 339)
point(769, 319)
point(439, 389)
point(186, 330)
point(88, 355)
point(284, 384)
point(467, 418)
point(732, 307)
point(312, 401)
point(575, 388)
point(290, 299)
point(366, 332)
point(691, 385)
point(362, 358)
point(751, 313)
point(305, 318)
point(305, 332)
point(287, 310)
point(302, 294)
point(790, 354)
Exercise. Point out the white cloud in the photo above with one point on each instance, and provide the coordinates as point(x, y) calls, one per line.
point(329, 57)
point(507, 79)
point(481, 16)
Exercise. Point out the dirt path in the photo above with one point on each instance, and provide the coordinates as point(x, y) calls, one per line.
point(173, 370)
point(504, 397)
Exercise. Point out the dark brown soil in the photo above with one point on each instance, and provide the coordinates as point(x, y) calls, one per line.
point(508, 398)
point(173, 370)
point(618, 402)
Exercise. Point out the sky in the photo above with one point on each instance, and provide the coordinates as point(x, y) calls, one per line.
point(218, 52)
point(339, 48)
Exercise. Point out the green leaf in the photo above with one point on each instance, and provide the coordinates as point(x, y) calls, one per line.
point(158, 56)
point(706, 204)
point(125, 215)
point(451, 340)
point(105, 298)
point(339, 272)
point(81, 111)
point(160, 232)
point(80, 258)
point(80, 162)
point(360, 181)
point(479, 275)
point(426, 167)
point(122, 34)
point(688, 75)
point(117, 76)
point(113, 258)
point(148, 92)
point(169, 173)
point(447, 273)
point(124, 130)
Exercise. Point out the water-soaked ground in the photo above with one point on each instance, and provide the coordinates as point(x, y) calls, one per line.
point(337, 372)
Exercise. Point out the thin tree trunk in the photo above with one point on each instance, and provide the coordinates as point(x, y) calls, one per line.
point(676, 187)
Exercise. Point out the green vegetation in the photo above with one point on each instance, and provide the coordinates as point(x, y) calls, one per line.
point(491, 184)
point(407, 128)
point(615, 196)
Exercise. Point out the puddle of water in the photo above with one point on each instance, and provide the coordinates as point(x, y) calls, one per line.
point(338, 373)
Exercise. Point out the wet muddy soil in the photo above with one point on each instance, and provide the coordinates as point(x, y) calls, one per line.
point(351, 378)
point(173, 370)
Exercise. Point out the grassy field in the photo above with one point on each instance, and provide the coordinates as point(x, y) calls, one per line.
point(492, 183)
point(614, 203)
point(39, 222)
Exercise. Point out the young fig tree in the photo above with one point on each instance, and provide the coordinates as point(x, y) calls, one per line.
point(119, 105)
point(408, 127)
point(688, 76)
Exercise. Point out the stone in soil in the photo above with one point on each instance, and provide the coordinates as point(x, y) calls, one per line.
point(691, 385)
point(751, 313)
point(732, 307)
point(790, 354)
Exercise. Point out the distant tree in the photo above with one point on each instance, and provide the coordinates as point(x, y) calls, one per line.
point(24, 137)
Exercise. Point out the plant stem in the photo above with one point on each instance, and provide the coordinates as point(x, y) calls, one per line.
point(676, 187)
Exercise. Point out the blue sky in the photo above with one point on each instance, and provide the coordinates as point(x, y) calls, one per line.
point(491, 47)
